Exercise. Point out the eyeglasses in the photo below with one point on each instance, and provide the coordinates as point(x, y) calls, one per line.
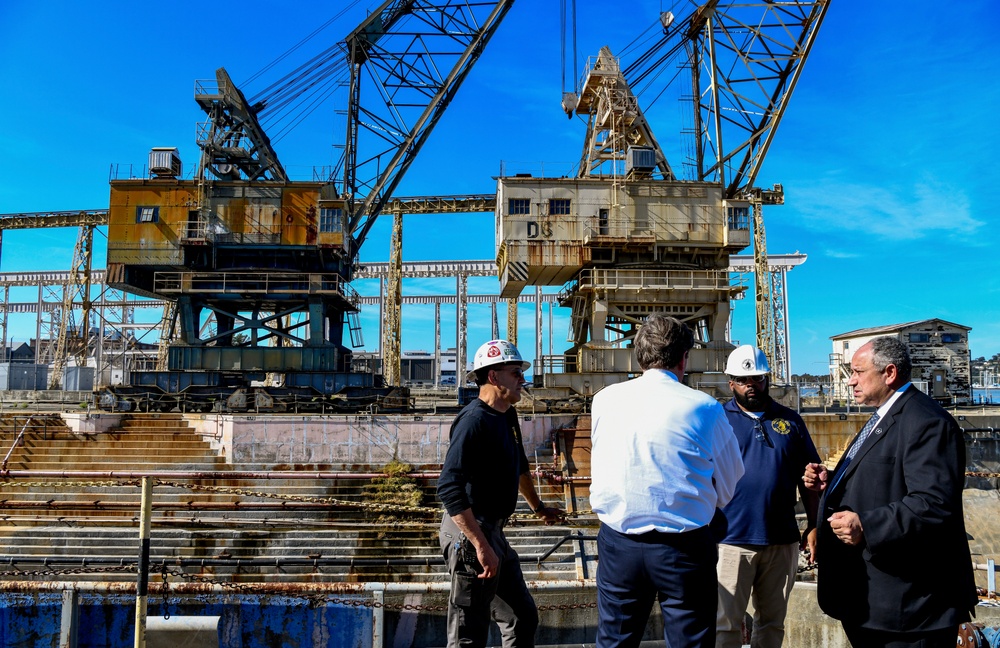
point(517, 372)
point(746, 380)
point(760, 433)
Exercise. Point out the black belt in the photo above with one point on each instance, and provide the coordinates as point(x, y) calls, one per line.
point(493, 524)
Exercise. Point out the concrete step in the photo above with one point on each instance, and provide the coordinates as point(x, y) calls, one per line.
point(206, 465)
point(123, 455)
point(168, 428)
point(83, 455)
point(117, 437)
point(124, 440)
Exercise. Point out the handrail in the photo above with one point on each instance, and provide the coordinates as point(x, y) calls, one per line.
point(559, 543)
point(17, 440)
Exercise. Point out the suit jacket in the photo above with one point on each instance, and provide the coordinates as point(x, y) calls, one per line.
point(913, 570)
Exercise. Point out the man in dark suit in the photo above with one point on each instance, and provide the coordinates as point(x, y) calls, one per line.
point(893, 556)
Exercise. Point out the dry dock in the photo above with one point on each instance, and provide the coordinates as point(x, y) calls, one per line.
point(314, 525)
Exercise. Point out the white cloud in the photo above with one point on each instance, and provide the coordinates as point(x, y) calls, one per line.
point(925, 209)
point(841, 254)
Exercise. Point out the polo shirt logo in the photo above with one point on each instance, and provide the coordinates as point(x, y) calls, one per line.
point(781, 426)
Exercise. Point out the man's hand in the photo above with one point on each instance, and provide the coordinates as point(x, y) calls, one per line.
point(809, 544)
point(488, 559)
point(815, 477)
point(846, 525)
point(469, 526)
point(550, 514)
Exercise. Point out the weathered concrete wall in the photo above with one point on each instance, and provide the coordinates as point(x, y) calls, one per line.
point(807, 627)
point(309, 441)
point(11, 398)
point(90, 422)
point(831, 432)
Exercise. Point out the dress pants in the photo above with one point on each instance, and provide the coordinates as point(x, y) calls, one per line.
point(865, 638)
point(473, 601)
point(678, 569)
point(767, 572)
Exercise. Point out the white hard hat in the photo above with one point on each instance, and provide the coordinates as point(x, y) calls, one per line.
point(496, 352)
point(747, 360)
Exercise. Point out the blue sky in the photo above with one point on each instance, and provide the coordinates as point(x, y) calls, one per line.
point(887, 152)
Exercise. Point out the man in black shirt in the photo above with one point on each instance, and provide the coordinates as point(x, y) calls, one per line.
point(483, 471)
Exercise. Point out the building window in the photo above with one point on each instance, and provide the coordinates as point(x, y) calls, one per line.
point(951, 338)
point(519, 207)
point(559, 207)
point(920, 337)
point(330, 219)
point(738, 218)
point(147, 214)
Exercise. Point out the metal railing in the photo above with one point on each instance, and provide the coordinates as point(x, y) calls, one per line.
point(596, 279)
point(254, 283)
point(17, 441)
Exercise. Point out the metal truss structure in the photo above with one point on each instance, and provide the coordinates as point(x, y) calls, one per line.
point(777, 282)
point(119, 342)
point(408, 58)
point(123, 342)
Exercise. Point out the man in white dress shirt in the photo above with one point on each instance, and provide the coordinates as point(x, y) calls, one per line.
point(664, 459)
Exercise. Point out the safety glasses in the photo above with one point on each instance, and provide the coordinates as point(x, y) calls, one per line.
point(746, 380)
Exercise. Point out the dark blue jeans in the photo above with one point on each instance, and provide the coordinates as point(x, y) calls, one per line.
point(678, 569)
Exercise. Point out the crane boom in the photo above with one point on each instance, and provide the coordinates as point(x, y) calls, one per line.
point(748, 57)
point(414, 55)
point(232, 142)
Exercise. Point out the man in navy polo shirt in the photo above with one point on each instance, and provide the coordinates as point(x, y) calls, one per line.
point(758, 550)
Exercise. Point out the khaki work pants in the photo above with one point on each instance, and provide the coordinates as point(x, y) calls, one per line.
point(765, 573)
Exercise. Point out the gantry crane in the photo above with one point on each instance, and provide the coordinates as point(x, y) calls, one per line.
point(628, 236)
point(269, 257)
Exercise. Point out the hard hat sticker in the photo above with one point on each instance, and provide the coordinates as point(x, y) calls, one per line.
point(493, 352)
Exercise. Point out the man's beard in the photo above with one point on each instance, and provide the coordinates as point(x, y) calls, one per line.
point(758, 403)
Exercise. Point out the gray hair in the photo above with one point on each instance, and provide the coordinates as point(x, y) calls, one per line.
point(662, 342)
point(891, 351)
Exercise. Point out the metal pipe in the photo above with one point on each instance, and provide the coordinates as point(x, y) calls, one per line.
point(17, 442)
point(378, 619)
point(165, 520)
point(142, 586)
point(193, 506)
point(205, 474)
point(52, 561)
point(69, 622)
point(219, 474)
point(187, 588)
point(560, 543)
point(557, 478)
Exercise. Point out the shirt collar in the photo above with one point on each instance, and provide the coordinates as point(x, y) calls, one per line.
point(884, 408)
point(661, 374)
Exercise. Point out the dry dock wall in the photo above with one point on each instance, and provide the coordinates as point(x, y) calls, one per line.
point(305, 442)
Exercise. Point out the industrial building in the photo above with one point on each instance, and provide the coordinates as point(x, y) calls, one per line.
point(938, 349)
